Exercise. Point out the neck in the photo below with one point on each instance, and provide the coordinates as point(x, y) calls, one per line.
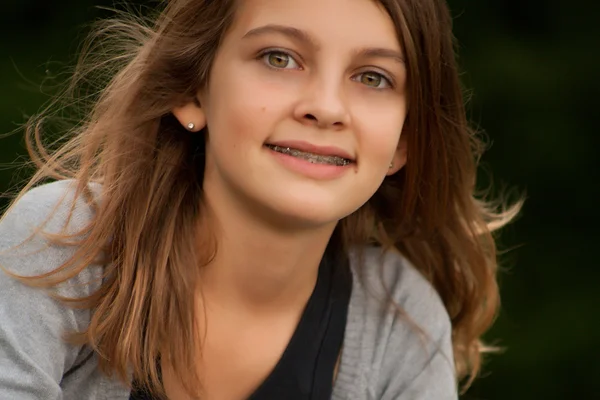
point(260, 266)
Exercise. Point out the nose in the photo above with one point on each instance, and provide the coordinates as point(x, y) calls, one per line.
point(323, 104)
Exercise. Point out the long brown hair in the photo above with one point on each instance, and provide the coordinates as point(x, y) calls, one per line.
point(151, 171)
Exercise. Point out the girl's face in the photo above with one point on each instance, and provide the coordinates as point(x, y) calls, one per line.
point(325, 78)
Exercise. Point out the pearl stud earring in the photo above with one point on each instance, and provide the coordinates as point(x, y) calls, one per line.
point(191, 126)
point(391, 165)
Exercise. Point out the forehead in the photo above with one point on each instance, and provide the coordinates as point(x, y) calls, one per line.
point(360, 23)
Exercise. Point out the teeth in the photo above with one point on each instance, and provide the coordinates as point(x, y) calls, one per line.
point(310, 157)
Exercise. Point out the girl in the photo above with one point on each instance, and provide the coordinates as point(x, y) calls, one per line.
point(267, 200)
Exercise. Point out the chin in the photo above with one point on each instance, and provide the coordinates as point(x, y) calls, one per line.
point(312, 212)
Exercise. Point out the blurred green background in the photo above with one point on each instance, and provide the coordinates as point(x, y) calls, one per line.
point(532, 70)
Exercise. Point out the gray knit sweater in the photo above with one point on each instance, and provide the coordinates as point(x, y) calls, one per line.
point(383, 357)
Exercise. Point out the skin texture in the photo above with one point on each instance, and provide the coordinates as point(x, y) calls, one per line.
point(272, 221)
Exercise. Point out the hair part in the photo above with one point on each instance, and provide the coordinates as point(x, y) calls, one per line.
point(150, 220)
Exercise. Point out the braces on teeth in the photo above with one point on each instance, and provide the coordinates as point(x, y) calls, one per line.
point(310, 157)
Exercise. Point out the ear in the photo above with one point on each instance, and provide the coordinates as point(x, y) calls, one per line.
point(399, 160)
point(191, 116)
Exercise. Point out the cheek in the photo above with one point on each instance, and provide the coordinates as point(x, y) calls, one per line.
point(245, 107)
point(380, 132)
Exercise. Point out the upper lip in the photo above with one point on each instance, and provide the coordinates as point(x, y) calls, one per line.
point(313, 148)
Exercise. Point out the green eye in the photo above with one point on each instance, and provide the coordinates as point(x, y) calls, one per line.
point(371, 79)
point(278, 59)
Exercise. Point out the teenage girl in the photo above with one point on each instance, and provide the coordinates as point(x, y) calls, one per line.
point(267, 200)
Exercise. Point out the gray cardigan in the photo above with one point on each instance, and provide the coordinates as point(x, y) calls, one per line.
point(383, 357)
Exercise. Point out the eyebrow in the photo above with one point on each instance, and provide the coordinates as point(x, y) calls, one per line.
point(291, 32)
point(377, 52)
point(304, 37)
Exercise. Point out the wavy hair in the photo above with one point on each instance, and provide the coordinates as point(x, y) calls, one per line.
point(133, 72)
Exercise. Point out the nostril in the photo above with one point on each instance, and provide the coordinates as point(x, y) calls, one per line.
point(311, 117)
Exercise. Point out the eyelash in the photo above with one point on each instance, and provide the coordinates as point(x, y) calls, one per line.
point(261, 57)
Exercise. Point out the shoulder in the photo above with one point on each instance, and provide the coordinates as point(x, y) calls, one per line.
point(398, 331)
point(50, 204)
point(49, 209)
point(381, 276)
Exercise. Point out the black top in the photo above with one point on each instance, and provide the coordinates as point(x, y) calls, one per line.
point(305, 370)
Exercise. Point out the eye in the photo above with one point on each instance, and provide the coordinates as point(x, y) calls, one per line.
point(279, 60)
point(375, 80)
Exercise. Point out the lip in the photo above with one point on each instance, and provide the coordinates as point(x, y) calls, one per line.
point(316, 171)
point(312, 148)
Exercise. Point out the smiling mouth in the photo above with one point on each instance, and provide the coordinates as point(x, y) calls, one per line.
point(311, 157)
